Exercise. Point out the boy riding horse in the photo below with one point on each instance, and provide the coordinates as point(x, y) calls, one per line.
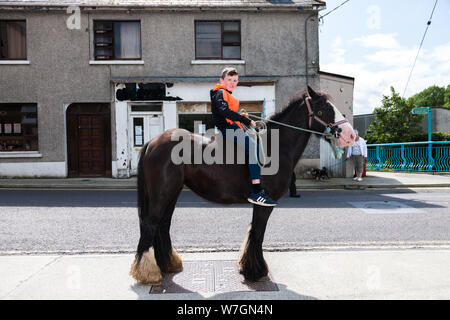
point(224, 109)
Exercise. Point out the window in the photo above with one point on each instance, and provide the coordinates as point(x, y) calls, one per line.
point(138, 132)
point(13, 40)
point(187, 121)
point(18, 127)
point(217, 40)
point(151, 107)
point(119, 40)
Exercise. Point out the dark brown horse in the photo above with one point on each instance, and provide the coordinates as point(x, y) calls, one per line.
point(160, 182)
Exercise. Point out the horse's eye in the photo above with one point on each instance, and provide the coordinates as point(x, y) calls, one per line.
point(319, 113)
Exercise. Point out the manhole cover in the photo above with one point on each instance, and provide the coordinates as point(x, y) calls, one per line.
point(384, 207)
point(210, 276)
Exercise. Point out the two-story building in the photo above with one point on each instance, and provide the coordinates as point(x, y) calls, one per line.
point(85, 83)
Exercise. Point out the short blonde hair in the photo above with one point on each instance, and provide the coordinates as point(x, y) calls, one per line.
point(229, 71)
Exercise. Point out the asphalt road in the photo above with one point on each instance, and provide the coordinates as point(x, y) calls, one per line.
point(84, 221)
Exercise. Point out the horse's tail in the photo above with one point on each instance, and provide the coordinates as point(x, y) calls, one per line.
point(144, 268)
point(143, 203)
point(142, 200)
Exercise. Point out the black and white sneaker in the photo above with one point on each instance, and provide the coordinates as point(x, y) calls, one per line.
point(261, 199)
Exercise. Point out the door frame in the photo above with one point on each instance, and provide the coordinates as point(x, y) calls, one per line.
point(72, 112)
point(144, 114)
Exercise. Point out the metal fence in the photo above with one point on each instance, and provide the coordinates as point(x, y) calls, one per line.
point(433, 156)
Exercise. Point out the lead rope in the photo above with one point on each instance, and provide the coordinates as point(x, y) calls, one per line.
point(262, 126)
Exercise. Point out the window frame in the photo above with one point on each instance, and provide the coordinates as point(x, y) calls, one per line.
point(222, 43)
point(135, 135)
point(113, 57)
point(26, 47)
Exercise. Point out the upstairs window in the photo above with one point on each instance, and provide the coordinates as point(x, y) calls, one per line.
point(218, 40)
point(117, 40)
point(13, 44)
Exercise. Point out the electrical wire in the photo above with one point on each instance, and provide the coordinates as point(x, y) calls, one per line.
point(321, 17)
point(420, 46)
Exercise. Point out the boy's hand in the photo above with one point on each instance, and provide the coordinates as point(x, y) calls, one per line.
point(253, 124)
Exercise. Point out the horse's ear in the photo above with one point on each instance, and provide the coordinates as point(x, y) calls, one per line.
point(311, 92)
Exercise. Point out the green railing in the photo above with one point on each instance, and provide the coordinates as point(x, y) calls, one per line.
point(433, 156)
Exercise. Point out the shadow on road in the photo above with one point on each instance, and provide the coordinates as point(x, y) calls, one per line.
point(127, 199)
point(143, 292)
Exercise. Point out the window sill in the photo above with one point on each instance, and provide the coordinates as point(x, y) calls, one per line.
point(20, 154)
point(14, 62)
point(116, 62)
point(218, 62)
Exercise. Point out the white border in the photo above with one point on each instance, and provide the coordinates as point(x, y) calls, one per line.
point(20, 154)
point(116, 62)
point(33, 169)
point(218, 62)
point(14, 62)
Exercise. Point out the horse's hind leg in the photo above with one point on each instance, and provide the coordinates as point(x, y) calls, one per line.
point(156, 201)
point(251, 263)
point(145, 268)
point(166, 256)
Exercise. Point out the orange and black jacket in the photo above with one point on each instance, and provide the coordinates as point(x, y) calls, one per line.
point(224, 108)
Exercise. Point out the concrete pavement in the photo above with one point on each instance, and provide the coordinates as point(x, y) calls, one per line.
point(374, 179)
point(370, 274)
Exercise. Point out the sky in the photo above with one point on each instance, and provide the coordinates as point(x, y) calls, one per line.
point(376, 42)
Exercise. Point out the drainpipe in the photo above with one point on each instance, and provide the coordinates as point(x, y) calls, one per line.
point(306, 46)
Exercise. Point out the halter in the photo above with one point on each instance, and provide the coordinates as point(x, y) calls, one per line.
point(329, 127)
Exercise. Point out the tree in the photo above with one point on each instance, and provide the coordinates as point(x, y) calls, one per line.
point(447, 97)
point(394, 121)
point(433, 96)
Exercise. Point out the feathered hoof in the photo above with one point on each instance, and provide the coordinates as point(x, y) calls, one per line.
point(176, 265)
point(147, 270)
point(253, 273)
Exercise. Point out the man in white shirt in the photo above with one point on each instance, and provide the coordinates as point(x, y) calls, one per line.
point(357, 153)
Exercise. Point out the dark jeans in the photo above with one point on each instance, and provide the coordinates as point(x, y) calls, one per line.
point(292, 186)
point(249, 146)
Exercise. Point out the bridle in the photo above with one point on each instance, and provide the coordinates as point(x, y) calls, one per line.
point(329, 127)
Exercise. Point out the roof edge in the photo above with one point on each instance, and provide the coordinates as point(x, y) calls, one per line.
point(190, 79)
point(336, 75)
point(257, 6)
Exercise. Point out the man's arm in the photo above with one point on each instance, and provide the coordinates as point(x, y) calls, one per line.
point(221, 107)
point(364, 148)
point(349, 151)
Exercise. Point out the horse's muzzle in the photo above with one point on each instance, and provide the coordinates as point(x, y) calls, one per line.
point(346, 135)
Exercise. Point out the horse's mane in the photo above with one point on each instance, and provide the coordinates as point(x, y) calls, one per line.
point(295, 101)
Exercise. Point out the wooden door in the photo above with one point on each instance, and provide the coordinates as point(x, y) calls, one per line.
point(91, 148)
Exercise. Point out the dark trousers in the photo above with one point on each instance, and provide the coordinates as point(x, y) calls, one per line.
point(292, 187)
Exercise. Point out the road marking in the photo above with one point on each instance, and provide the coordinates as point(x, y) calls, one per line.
point(384, 207)
point(312, 246)
point(274, 247)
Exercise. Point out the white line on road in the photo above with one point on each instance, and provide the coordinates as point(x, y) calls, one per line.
point(285, 246)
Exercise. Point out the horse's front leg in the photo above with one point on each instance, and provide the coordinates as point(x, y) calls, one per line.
point(251, 262)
